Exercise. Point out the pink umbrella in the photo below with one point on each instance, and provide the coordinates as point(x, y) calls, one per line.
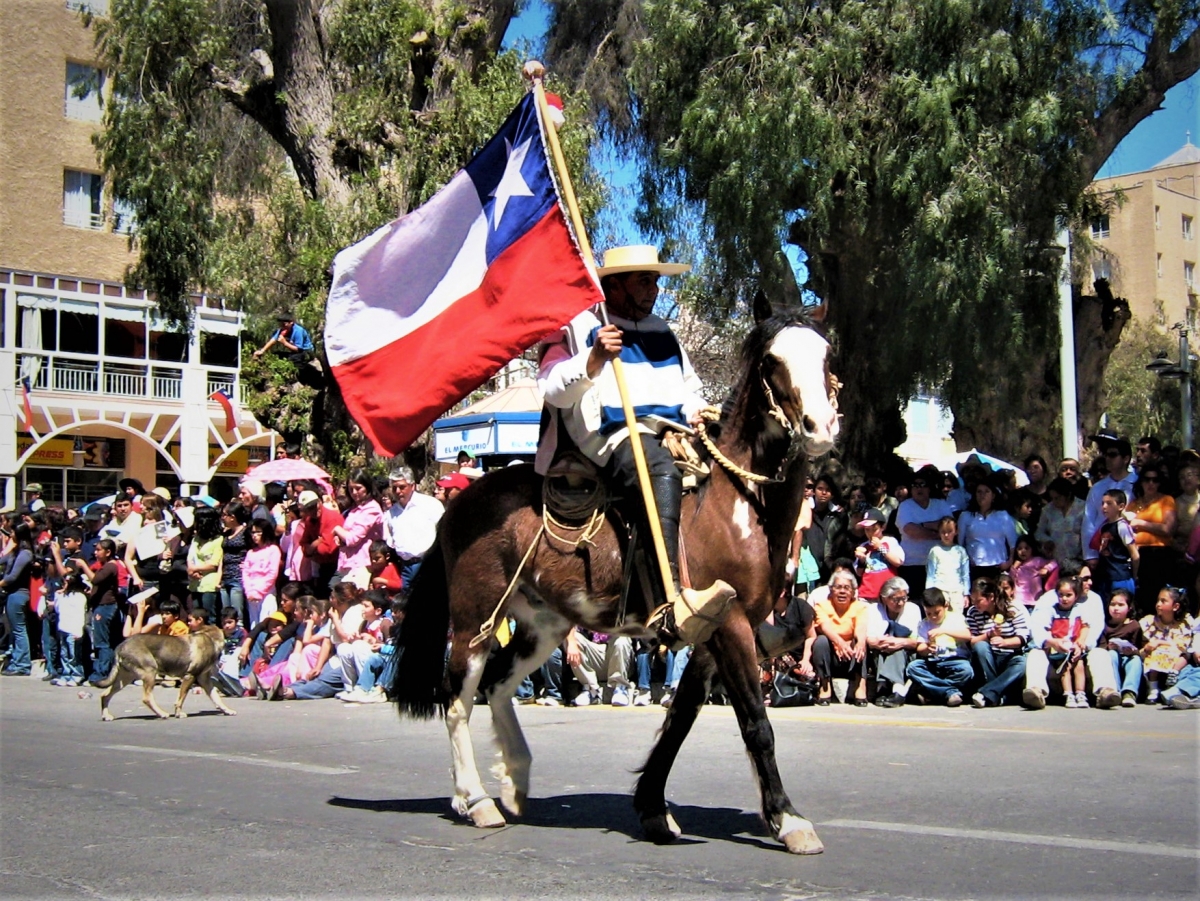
point(289, 470)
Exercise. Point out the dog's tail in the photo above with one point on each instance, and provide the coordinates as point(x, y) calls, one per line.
point(112, 675)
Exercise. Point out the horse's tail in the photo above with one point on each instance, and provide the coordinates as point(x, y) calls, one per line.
point(418, 681)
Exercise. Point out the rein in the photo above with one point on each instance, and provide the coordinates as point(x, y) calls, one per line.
point(774, 411)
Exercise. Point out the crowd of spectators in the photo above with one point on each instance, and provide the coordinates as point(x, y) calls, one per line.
point(305, 582)
point(980, 585)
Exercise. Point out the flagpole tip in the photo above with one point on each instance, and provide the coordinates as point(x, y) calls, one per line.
point(534, 70)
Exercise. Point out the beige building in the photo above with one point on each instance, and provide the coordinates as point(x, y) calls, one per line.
point(1147, 245)
point(93, 386)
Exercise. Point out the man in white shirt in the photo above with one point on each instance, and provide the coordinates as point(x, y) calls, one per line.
point(892, 624)
point(410, 523)
point(125, 523)
point(917, 519)
point(1117, 454)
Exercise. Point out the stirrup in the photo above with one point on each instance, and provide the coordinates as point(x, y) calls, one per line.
point(693, 616)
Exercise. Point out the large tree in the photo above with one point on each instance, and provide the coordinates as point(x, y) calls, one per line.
point(919, 152)
point(256, 138)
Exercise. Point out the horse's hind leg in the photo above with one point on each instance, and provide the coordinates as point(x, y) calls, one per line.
point(649, 799)
point(736, 659)
point(470, 800)
point(531, 647)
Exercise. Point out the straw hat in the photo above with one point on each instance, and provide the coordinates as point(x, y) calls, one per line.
point(638, 258)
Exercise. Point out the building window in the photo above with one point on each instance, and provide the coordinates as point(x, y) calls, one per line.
point(1100, 227)
point(1158, 217)
point(123, 218)
point(1189, 275)
point(1158, 266)
point(1187, 228)
point(94, 7)
point(82, 195)
point(84, 86)
point(1102, 269)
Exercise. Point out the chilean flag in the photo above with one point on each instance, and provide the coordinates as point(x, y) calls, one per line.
point(223, 398)
point(26, 402)
point(431, 305)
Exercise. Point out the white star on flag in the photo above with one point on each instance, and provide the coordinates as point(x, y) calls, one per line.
point(511, 183)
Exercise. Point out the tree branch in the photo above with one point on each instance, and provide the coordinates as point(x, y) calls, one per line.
point(1161, 71)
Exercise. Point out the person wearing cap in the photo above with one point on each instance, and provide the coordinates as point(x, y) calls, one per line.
point(132, 489)
point(918, 519)
point(291, 339)
point(410, 523)
point(877, 559)
point(33, 497)
point(584, 404)
point(317, 538)
point(93, 530)
point(450, 485)
point(466, 460)
point(1117, 456)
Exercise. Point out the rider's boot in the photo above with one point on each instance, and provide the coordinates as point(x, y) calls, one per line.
point(688, 616)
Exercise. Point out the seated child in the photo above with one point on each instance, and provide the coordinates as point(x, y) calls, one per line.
point(227, 667)
point(942, 669)
point(1168, 635)
point(1061, 631)
point(1124, 639)
point(308, 657)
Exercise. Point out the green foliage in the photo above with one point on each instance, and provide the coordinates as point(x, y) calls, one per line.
point(1139, 402)
point(919, 151)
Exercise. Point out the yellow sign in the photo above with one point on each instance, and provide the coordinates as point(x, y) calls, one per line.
point(55, 452)
point(236, 463)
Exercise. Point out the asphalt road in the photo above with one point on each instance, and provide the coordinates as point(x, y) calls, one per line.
point(320, 800)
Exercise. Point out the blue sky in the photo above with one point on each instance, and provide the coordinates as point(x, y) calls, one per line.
point(1152, 141)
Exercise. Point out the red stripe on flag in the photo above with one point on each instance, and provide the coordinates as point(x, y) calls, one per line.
point(226, 405)
point(26, 403)
point(537, 285)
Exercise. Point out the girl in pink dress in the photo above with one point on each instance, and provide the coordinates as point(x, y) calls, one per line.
point(1032, 575)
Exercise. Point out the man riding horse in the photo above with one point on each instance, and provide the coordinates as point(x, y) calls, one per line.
point(585, 411)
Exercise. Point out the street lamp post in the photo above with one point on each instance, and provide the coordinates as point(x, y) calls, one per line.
point(1165, 368)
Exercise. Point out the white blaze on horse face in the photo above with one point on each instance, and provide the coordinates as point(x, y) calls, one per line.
point(741, 517)
point(802, 353)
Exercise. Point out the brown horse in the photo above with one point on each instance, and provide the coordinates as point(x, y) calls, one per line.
point(736, 528)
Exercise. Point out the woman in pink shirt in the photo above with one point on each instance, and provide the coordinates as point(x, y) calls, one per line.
point(363, 524)
point(260, 571)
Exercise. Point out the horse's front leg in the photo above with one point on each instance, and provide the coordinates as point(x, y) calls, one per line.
point(649, 799)
point(534, 642)
point(736, 659)
point(470, 799)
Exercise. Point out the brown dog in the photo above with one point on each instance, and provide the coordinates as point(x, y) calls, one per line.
point(145, 657)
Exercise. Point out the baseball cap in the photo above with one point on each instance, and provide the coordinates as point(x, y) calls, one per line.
point(872, 514)
point(308, 499)
point(454, 480)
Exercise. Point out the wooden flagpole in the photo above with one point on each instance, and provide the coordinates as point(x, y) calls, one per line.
point(534, 71)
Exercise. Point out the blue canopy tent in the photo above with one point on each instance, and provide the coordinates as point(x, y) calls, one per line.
point(504, 425)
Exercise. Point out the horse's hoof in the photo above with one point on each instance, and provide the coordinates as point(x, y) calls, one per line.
point(181, 715)
point(485, 815)
point(800, 837)
point(106, 717)
point(661, 828)
point(512, 800)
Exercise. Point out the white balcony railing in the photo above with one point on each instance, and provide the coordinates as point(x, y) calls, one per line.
point(81, 374)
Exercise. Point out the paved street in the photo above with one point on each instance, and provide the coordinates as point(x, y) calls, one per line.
point(309, 800)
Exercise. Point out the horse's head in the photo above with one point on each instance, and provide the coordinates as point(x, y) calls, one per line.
point(794, 364)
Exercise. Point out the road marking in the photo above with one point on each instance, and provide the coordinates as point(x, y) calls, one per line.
point(1022, 838)
point(237, 758)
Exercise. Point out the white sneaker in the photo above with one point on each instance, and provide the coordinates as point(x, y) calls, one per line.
point(1081, 700)
point(1152, 696)
point(667, 697)
point(345, 694)
point(978, 700)
point(356, 696)
point(375, 696)
point(1072, 699)
point(583, 699)
point(620, 697)
point(641, 699)
point(547, 701)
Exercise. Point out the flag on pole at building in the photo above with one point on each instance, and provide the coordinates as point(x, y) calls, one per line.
point(26, 403)
point(433, 304)
point(222, 397)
